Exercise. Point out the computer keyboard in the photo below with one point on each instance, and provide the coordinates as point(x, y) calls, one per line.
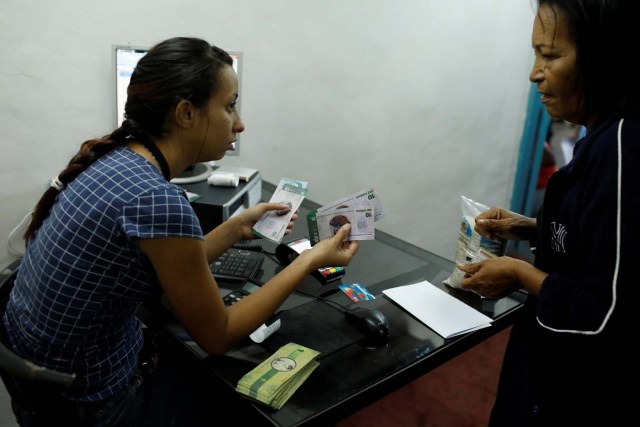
point(237, 264)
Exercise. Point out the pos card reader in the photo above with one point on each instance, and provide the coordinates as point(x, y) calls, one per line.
point(287, 252)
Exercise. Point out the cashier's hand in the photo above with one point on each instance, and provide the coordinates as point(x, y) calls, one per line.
point(247, 219)
point(335, 251)
point(491, 278)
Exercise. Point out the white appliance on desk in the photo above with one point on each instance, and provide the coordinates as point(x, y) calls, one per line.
point(218, 204)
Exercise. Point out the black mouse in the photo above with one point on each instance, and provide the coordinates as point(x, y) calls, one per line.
point(371, 322)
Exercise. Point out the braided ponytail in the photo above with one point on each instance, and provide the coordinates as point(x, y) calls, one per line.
point(90, 151)
point(175, 69)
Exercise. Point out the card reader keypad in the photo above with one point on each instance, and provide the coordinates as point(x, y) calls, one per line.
point(234, 297)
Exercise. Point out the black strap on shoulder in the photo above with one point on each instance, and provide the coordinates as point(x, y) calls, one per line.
point(157, 154)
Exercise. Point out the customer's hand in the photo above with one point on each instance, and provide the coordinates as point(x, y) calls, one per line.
point(336, 251)
point(247, 219)
point(501, 223)
point(491, 278)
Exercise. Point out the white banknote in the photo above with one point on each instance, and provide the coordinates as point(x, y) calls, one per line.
point(360, 218)
point(365, 197)
point(272, 226)
point(361, 209)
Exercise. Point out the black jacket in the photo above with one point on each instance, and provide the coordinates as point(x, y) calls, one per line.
point(572, 347)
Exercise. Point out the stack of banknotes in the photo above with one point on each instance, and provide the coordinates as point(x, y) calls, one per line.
point(360, 209)
point(272, 225)
point(275, 380)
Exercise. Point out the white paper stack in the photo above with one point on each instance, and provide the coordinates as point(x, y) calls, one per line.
point(445, 314)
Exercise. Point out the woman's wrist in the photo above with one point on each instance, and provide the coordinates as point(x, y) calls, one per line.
point(527, 227)
point(229, 231)
point(306, 261)
point(236, 228)
point(532, 229)
point(529, 277)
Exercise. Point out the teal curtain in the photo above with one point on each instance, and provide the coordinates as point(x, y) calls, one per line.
point(536, 125)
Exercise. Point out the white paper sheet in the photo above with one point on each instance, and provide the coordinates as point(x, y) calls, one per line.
point(445, 314)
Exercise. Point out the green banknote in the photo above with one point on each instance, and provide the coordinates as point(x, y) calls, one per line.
point(275, 380)
point(284, 393)
point(272, 225)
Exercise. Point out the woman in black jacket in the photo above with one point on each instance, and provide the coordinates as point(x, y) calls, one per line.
point(567, 354)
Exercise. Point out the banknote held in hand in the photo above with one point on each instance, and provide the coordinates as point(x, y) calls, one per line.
point(361, 210)
point(272, 225)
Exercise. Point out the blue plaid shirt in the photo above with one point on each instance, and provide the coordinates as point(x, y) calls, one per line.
point(73, 307)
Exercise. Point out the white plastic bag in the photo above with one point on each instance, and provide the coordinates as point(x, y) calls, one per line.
point(472, 247)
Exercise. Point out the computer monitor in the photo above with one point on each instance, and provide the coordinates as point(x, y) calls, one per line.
point(126, 58)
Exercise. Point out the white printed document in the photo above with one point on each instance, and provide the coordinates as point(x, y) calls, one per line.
point(445, 314)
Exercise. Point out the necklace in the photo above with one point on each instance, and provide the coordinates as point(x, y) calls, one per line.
point(157, 156)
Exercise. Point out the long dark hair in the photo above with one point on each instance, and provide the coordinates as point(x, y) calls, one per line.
point(175, 69)
point(606, 35)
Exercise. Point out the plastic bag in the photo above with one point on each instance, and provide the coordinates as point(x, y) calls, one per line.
point(472, 247)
